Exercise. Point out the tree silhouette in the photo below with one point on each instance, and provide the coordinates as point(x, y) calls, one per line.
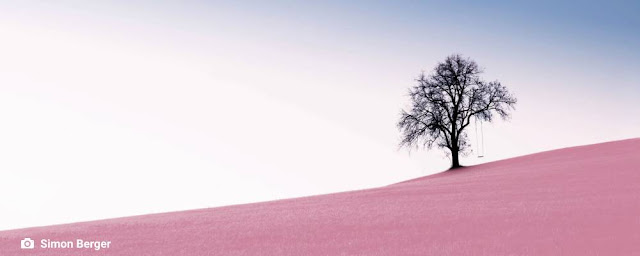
point(443, 103)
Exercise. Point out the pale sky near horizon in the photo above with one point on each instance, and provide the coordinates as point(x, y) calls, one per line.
point(114, 108)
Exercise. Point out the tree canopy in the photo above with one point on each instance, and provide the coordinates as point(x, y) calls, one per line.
point(444, 102)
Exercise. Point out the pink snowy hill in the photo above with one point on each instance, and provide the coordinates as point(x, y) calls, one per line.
point(575, 201)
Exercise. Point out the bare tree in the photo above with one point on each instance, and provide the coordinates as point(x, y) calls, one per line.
point(443, 103)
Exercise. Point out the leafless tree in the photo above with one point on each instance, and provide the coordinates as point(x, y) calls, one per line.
point(443, 103)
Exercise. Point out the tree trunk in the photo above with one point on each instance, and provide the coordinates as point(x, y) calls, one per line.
point(455, 161)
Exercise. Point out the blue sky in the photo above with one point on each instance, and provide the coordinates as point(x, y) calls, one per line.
point(184, 105)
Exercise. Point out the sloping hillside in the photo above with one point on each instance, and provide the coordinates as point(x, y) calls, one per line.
point(574, 201)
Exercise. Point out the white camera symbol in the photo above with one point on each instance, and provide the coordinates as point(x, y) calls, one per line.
point(26, 243)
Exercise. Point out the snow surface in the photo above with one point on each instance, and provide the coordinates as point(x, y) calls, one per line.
point(576, 201)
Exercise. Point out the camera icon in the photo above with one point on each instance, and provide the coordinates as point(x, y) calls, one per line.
point(26, 243)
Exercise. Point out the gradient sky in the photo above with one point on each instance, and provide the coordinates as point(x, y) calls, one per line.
point(117, 108)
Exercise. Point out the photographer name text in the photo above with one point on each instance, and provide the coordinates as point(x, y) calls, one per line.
point(28, 243)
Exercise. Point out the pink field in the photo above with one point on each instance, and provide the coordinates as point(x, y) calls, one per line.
point(575, 201)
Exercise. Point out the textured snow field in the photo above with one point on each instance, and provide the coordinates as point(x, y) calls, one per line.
point(575, 201)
